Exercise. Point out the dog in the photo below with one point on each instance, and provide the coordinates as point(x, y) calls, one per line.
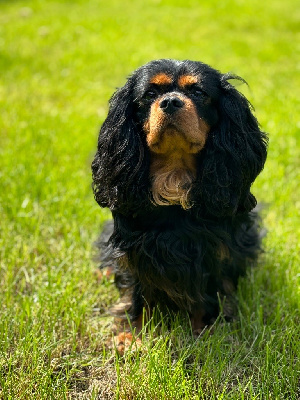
point(176, 158)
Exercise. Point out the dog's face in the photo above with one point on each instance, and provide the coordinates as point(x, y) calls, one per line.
point(176, 108)
point(178, 133)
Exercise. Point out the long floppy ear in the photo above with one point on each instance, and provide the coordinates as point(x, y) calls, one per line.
point(119, 170)
point(234, 155)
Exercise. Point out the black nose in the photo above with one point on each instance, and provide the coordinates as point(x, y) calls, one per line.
point(171, 104)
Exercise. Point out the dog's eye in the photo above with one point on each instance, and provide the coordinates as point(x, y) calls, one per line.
point(197, 91)
point(149, 95)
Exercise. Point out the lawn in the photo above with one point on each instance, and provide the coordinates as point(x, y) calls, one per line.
point(60, 61)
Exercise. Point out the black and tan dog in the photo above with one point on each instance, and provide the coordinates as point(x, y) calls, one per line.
point(177, 155)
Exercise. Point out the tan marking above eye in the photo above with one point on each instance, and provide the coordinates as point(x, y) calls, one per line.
point(161, 79)
point(186, 80)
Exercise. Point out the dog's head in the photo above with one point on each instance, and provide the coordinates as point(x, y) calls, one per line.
point(178, 133)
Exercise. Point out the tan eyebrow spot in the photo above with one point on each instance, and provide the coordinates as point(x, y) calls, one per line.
point(185, 80)
point(161, 79)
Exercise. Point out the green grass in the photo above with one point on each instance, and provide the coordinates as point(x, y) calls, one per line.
point(59, 63)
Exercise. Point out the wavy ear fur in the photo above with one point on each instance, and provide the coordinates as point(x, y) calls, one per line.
point(119, 170)
point(234, 155)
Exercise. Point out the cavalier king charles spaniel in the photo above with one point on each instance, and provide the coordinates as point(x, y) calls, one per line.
point(177, 155)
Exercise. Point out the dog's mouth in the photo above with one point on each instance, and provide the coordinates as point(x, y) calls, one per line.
point(172, 139)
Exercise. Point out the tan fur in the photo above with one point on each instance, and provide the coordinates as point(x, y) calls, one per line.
point(161, 79)
point(185, 121)
point(186, 80)
point(174, 142)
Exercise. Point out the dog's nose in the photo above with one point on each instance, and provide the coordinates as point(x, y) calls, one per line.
point(171, 104)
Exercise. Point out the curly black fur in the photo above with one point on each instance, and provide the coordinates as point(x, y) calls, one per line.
point(167, 254)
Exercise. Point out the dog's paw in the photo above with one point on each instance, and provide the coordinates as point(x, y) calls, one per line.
point(125, 342)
